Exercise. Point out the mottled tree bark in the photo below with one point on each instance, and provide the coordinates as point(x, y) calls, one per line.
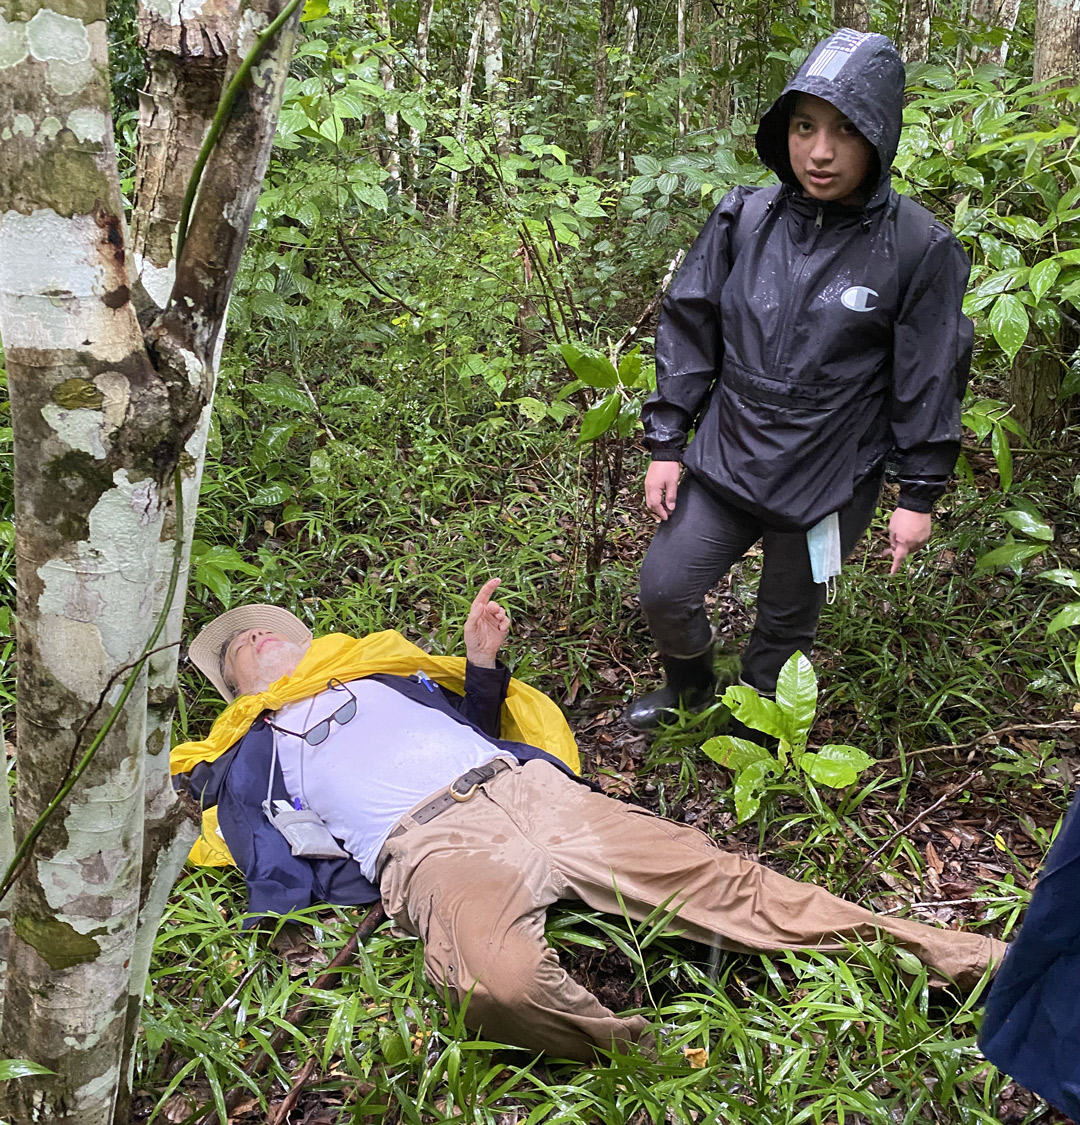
point(391, 156)
point(605, 26)
point(493, 74)
point(916, 44)
point(1057, 39)
point(103, 411)
point(466, 98)
point(852, 13)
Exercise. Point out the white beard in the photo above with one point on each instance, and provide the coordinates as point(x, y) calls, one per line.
point(276, 661)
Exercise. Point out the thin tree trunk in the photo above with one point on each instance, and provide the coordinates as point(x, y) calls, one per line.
point(465, 99)
point(493, 74)
point(916, 44)
point(680, 34)
point(1057, 39)
point(605, 25)
point(423, 34)
point(629, 45)
point(392, 157)
point(852, 13)
point(528, 19)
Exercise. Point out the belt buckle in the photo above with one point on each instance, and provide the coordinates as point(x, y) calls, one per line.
point(478, 775)
point(461, 798)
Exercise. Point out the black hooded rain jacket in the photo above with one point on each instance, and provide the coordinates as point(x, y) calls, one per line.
point(799, 360)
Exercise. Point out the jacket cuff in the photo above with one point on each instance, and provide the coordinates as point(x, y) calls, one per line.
point(920, 495)
point(490, 678)
point(666, 454)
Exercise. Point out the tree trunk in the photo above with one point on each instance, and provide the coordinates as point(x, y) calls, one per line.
point(605, 25)
point(493, 74)
point(852, 13)
point(391, 158)
point(680, 37)
point(423, 35)
point(991, 14)
point(629, 45)
point(916, 44)
point(1057, 39)
point(103, 412)
point(465, 99)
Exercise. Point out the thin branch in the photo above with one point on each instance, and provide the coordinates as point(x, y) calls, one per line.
point(1061, 724)
point(293, 1096)
point(631, 334)
point(946, 796)
point(369, 279)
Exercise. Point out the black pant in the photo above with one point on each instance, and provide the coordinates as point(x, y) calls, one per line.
point(697, 545)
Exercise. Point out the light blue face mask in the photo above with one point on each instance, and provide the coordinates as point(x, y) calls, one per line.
point(823, 543)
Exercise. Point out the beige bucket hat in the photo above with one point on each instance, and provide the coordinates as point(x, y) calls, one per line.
point(206, 649)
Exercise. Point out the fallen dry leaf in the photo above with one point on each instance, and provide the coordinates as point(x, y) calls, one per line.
point(697, 1057)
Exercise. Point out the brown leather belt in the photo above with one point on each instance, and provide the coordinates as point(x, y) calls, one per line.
point(460, 790)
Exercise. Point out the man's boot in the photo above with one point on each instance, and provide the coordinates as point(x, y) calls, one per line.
point(690, 686)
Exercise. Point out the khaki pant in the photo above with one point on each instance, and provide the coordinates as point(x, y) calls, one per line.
point(475, 884)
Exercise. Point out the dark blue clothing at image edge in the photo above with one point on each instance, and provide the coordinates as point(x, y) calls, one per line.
point(799, 361)
point(1031, 1027)
point(277, 881)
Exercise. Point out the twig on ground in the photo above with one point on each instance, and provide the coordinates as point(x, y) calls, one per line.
point(947, 795)
point(1062, 724)
point(296, 1015)
point(295, 1090)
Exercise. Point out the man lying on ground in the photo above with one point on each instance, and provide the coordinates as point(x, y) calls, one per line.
point(352, 784)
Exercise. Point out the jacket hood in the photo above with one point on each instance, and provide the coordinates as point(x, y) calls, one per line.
point(863, 76)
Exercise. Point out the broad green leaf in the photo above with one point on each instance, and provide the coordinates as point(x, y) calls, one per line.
point(748, 787)
point(1028, 524)
point(223, 558)
point(1062, 577)
point(1009, 323)
point(647, 165)
point(589, 208)
point(284, 396)
point(756, 711)
point(657, 223)
point(630, 368)
point(1042, 277)
point(668, 183)
point(270, 495)
point(21, 1068)
point(641, 185)
point(999, 446)
point(590, 367)
point(1011, 555)
point(796, 694)
point(598, 419)
point(315, 10)
point(272, 444)
point(372, 195)
point(836, 765)
point(735, 753)
point(1067, 618)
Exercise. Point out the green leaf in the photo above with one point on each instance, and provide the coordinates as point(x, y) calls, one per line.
point(796, 694)
point(1067, 618)
point(658, 222)
point(1062, 577)
point(372, 195)
point(21, 1068)
point(284, 396)
point(1042, 277)
point(315, 10)
point(641, 185)
point(836, 765)
point(749, 785)
point(1009, 323)
point(647, 165)
point(668, 183)
point(591, 368)
point(735, 753)
point(222, 558)
point(271, 495)
point(756, 711)
point(999, 445)
point(272, 444)
point(630, 368)
point(599, 419)
point(1028, 524)
point(1011, 555)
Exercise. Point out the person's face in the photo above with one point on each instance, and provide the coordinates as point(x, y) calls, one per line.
point(255, 658)
point(829, 156)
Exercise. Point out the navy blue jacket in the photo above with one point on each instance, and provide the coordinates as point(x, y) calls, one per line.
point(1031, 1029)
point(277, 881)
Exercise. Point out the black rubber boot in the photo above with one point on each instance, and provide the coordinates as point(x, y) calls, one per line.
point(690, 686)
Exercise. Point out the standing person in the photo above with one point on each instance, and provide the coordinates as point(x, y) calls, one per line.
point(813, 327)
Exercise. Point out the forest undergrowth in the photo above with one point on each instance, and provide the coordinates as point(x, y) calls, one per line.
point(943, 674)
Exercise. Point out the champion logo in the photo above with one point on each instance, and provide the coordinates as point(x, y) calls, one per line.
point(859, 299)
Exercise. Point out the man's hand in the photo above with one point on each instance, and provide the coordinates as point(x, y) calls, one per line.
point(908, 531)
point(661, 487)
point(486, 627)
